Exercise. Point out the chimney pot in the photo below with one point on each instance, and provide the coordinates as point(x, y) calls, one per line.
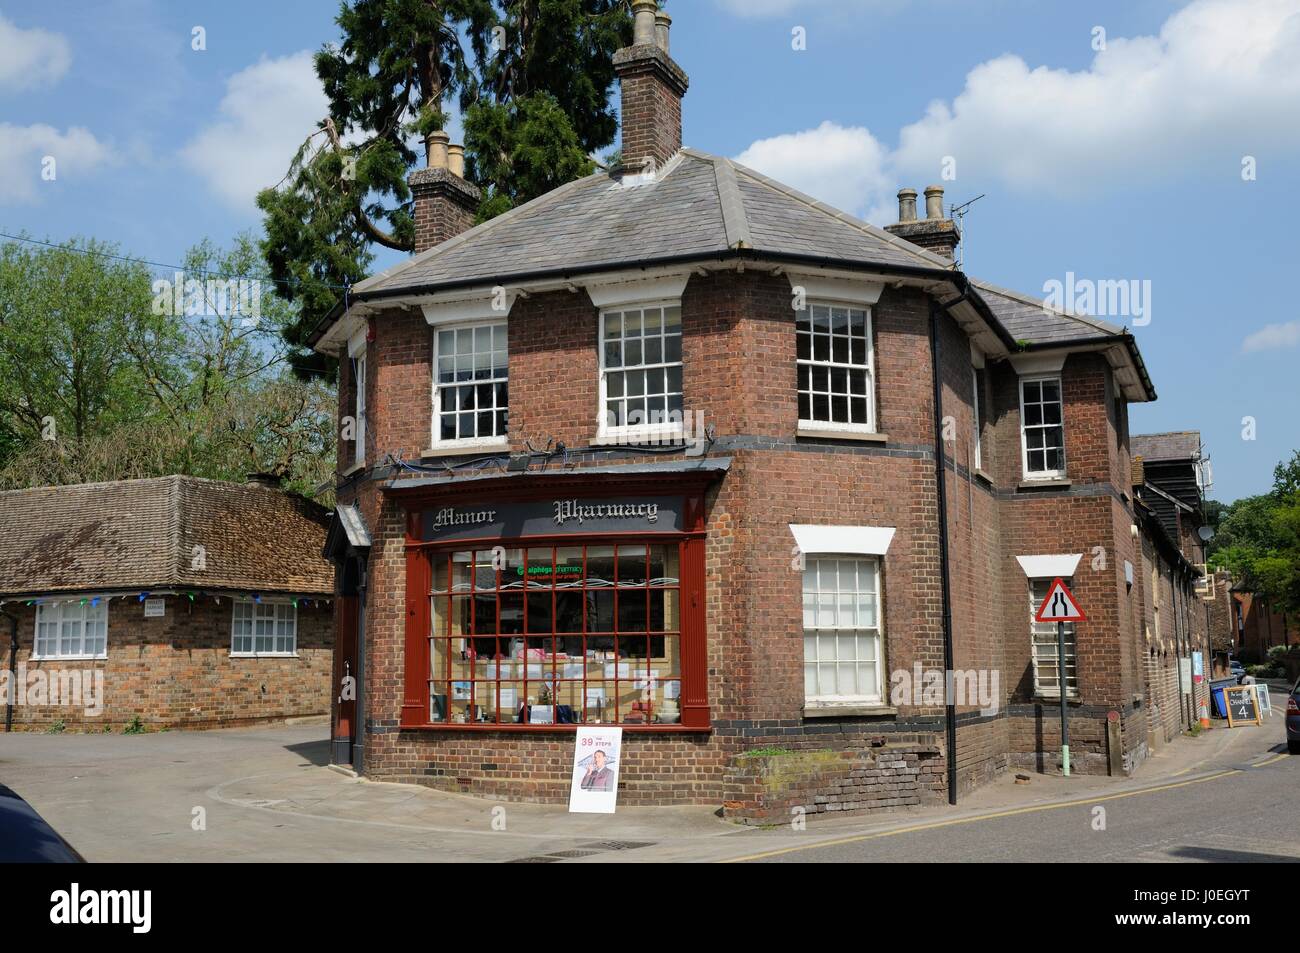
point(663, 23)
point(934, 202)
point(907, 205)
point(456, 160)
point(435, 145)
point(643, 27)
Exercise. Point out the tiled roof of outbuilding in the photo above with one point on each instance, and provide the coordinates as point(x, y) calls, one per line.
point(142, 533)
point(1177, 445)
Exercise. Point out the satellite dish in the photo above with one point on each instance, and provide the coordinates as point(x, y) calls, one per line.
point(1206, 533)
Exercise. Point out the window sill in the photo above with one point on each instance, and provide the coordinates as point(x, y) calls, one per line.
point(354, 469)
point(821, 433)
point(1049, 483)
point(541, 729)
point(847, 711)
point(1055, 700)
point(981, 475)
point(460, 449)
point(68, 658)
point(641, 435)
point(257, 655)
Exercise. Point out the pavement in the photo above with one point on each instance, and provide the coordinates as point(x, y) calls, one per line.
point(267, 794)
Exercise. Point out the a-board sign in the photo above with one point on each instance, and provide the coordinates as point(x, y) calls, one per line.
point(1242, 704)
point(1261, 695)
point(596, 756)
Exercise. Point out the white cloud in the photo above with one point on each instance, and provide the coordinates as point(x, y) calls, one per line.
point(1210, 89)
point(23, 153)
point(757, 9)
point(1219, 83)
point(1272, 337)
point(31, 58)
point(268, 110)
point(843, 166)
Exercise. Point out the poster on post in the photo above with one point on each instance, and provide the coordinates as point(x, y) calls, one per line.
point(596, 754)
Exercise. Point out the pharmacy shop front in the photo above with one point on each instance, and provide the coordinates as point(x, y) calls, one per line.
point(541, 604)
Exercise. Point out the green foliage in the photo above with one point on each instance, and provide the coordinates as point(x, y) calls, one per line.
point(532, 79)
point(102, 379)
point(56, 728)
point(136, 727)
point(1258, 539)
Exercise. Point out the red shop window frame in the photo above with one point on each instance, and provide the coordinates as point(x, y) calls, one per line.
point(692, 696)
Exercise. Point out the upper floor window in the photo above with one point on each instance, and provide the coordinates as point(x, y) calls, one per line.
point(264, 628)
point(977, 385)
point(641, 368)
point(842, 633)
point(471, 395)
point(836, 368)
point(1046, 651)
point(68, 630)
point(1042, 432)
point(359, 408)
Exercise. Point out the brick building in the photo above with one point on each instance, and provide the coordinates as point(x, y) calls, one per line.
point(179, 601)
point(678, 448)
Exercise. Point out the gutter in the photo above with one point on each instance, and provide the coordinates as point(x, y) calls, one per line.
point(954, 277)
point(13, 670)
point(941, 499)
point(1126, 338)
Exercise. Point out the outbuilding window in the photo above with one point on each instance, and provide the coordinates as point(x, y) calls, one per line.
point(1046, 653)
point(471, 394)
point(69, 630)
point(359, 408)
point(1042, 430)
point(835, 368)
point(556, 635)
point(264, 628)
point(842, 632)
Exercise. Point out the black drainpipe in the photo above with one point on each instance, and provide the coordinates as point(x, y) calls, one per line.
point(941, 492)
point(13, 670)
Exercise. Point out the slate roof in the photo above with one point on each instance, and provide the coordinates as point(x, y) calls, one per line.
point(140, 534)
point(698, 205)
point(1029, 319)
point(1178, 445)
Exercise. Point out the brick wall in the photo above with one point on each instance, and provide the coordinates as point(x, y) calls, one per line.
point(177, 671)
point(739, 355)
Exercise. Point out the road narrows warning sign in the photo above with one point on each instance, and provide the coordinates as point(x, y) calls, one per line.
point(1059, 605)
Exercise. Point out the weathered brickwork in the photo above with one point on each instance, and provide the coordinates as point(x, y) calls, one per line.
point(740, 372)
point(178, 672)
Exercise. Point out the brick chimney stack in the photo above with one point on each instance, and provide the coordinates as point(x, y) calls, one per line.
point(444, 202)
point(933, 233)
point(652, 87)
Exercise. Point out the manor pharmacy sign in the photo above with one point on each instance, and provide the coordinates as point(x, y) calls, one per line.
point(659, 514)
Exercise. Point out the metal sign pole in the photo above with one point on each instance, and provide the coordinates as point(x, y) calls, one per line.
point(1060, 673)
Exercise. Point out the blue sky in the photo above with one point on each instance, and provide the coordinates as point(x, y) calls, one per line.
point(1122, 163)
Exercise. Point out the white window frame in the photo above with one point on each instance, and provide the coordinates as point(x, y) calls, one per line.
point(662, 432)
point(975, 410)
point(59, 609)
point(1043, 635)
point(876, 632)
point(1024, 443)
point(359, 371)
point(493, 442)
point(275, 606)
point(813, 425)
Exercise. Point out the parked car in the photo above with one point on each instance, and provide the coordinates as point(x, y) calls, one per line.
point(26, 838)
point(1293, 719)
point(1236, 669)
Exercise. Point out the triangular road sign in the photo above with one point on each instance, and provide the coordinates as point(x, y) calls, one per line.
point(1059, 605)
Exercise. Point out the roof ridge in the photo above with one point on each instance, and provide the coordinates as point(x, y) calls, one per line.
point(177, 505)
point(1084, 319)
point(841, 216)
point(480, 229)
point(735, 221)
